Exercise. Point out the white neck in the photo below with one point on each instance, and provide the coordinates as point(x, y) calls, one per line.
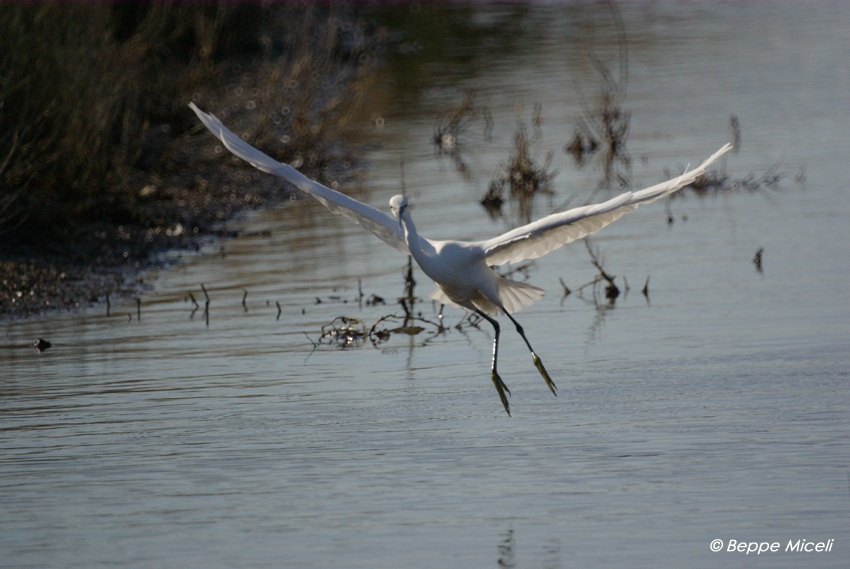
point(414, 242)
point(411, 237)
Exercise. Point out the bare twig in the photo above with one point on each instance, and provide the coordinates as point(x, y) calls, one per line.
point(611, 290)
point(206, 304)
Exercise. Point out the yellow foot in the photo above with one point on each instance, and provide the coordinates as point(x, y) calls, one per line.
point(502, 388)
point(538, 363)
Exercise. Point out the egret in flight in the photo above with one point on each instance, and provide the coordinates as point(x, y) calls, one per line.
point(462, 269)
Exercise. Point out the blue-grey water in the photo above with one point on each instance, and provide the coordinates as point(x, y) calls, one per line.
point(716, 408)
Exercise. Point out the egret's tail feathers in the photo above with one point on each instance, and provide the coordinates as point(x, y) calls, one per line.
point(513, 295)
point(441, 297)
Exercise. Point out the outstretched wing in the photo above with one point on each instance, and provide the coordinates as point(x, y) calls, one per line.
point(547, 234)
point(382, 225)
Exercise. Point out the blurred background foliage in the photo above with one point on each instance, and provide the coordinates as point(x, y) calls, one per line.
point(93, 97)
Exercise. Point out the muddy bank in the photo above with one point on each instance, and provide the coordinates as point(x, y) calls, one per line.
point(80, 262)
point(106, 249)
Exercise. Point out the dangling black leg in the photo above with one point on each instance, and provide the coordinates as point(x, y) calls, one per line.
point(497, 381)
point(538, 363)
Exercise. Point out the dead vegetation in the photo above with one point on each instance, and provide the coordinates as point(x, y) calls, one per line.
point(347, 331)
point(717, 182)
point(344, 331)
point(612, 291)
point(522, 175)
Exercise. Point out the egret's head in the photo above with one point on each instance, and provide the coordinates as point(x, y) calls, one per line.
point(398, 204)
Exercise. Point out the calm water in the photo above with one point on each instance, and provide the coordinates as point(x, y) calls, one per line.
point(717, 409)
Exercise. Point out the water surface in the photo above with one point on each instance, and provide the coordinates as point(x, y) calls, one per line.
point(715, 409)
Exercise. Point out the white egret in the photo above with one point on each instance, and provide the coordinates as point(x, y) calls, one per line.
point(462, 269)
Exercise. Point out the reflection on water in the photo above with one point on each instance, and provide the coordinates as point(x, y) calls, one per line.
point(714, 408)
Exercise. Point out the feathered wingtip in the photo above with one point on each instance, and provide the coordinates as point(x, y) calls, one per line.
point(664, 189)
point(726, 148)
point(692, 175)
point(689, 177)
point(239, 147)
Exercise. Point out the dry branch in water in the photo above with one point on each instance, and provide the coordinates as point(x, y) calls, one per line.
point(521, 174)
point(612, 291)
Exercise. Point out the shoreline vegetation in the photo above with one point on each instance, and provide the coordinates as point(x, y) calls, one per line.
point(103, 167)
